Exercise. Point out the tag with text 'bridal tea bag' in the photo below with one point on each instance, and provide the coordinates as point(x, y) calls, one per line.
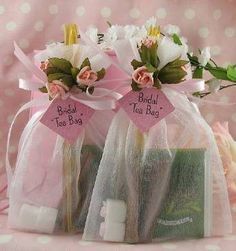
point(67, 117)
point(146, 107)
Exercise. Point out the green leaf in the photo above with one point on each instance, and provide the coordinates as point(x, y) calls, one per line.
point(74, 72)
point(217, 72)
point(62, 64)
point(177, 63)
point(68, 80)
point(172, 73)
point(198, 73)
point(43, 89)
point(55, 76)
point(157, 83)
point(154, 60)
point(51, 70)
point(135, 87)
point(86, 62)
point(101, 73)
point(150, 68)
point(172, 76)
point(136, 64)
point(231, 73)
point(176, 39)
point(149, 55)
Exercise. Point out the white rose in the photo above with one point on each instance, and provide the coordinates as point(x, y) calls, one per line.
point(168, 51)
point(204, 56)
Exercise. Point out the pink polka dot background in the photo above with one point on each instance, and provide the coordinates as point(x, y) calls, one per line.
point(33, 23)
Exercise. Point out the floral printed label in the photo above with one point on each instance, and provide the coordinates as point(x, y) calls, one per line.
point(67, 117)
point(146, 107)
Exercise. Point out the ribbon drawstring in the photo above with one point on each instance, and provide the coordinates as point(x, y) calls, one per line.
point(33, 103)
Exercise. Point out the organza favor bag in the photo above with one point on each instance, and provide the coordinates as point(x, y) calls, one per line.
point(51, 187)
point(165, 182)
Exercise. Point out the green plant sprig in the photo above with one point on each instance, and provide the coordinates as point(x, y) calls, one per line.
point(218, 72)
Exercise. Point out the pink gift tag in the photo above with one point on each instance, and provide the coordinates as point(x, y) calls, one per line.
point(67, 117)
point(146, 107)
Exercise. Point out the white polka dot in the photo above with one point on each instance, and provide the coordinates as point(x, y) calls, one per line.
point(233, 117)
point(217, 14)
point(215, 50)
point(105, 12)
point(10, 118)
point(134, 13)
point(80, 11)
point(44, 239)
point(189, 13)
point(53, 9)
point(9, 92)
point(161, 13)
point(2, 9)
point(212, 248)
point(8, 60)
point(11, 26)
point(25, 8)
point(229, 32)
point(203, 32)
point(224, 99)
point(5, 238)
point(39, 25)
point(209, 117)
point(169, 246)
point(24, 43)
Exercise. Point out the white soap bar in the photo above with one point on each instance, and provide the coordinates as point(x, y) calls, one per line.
point(46, 220)
point(115, 211)
point(114, 232)
point(28, 216)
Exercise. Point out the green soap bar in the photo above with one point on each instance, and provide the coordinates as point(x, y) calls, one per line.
point(90, 160)
point(182, 211)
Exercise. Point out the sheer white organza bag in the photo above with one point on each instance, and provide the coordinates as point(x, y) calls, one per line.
point(167, 182)
point(53, 179)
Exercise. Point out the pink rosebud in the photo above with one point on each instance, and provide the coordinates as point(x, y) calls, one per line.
point(57, 88)
point(44, 65)
point(148, 42)
point(142, 77)
point(86, 76)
